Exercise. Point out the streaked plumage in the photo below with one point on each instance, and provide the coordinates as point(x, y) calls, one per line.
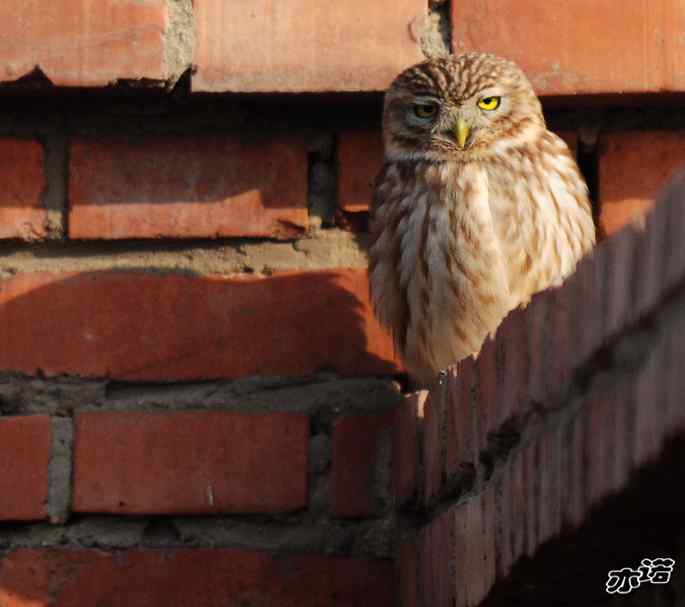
point(475, 210)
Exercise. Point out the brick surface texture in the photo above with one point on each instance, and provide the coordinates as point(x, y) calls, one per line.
point(357, 453)
point(248, 46)
point(22, 213)
point(634, 166)
point(84, 42)
point(206, 187)
point(146, 327)
point(643, 53)
point(24, 457)
point(223, 578)
point(190, 462)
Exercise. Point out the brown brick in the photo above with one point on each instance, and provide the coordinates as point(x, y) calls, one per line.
point(620, 454)
point(357, 488)
point(462, 447)
point(519, 505)
point(188, 187)
point(672, 204)
point(405, 447)
point(674, 422)
point(536, 325)
point(648, 411)
point(84, 42)
point(560, 340)
point(550, 480)
point(408, 573)
point(620, 254)
point(432, 447)
point(599, 438)
point(474, 549)
point(22, 214)
point(360, 155)
point(25, 444)
point(139, 326)
point(531, 491)
point(436, 553)
point(504, 532)
point(650, 262)
point(201, 577)
point(564, 48)
point(573, 469)
point(514, 394)
point(587, 313)
point(633, 167)
point(190, 462)
point(488, 392)
point(303, 45)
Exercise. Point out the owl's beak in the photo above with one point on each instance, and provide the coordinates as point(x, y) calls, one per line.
point(461, 131)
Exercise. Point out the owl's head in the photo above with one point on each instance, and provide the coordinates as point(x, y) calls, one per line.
point(464, 107)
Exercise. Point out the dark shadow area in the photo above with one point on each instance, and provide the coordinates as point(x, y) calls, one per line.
point(644, 521)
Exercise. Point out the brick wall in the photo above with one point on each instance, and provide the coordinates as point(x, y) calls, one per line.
point(576, 394)
point(197, 405)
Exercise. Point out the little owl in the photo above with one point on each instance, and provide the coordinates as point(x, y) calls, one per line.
point(476, 208)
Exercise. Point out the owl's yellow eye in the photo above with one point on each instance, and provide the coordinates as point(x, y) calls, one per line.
point(425, 110)
point(489, 103)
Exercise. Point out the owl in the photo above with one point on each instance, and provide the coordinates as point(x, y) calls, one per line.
point(477, 207)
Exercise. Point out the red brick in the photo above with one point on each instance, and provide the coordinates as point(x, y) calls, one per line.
point(474, 549)
point(356, 490)
point(190, 462)
point(633, 167)
point(436, 554)
point(564, 48)
point(84, 42)
point(22, 214)
point(303, 45)
point(405, 447)
point(573, 469)
point(202, 578)
point(25, 444)
point(188, 187)
point(139, 326)
point(360, 155)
